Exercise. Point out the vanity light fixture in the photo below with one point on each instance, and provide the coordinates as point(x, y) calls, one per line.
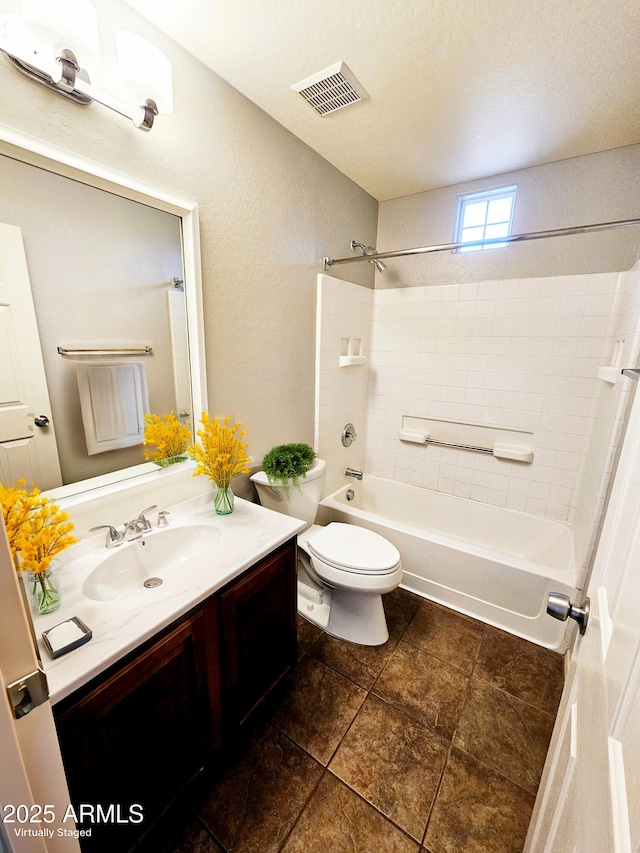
point(57, 44)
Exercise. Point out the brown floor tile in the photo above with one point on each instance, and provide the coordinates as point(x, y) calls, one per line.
point(426, 688)
point(399, 608)
point(477, 811)
point(393, 762)
point(447, 635)
point(259, 797)
point(338, 821)
point(318, 708)
point(531, 673)
point(308, 633)
point(386, 750)
point(505, 733)
point(195, 839)
point(362, 664)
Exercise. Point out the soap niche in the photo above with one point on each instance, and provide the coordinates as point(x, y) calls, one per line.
point(351, 352)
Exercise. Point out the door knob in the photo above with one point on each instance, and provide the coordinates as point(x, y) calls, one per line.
point(560, 607)
point(41, 421)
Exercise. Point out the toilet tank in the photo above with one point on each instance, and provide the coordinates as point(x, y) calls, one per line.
point(301, 502)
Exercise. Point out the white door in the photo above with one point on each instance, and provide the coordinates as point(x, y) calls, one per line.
point(589, 797)
point(26, 449)
point(31, 771)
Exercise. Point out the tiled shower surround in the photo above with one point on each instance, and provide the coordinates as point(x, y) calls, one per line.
point(518, 354)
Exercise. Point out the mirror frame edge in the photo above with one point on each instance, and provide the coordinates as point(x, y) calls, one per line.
point(36, 152)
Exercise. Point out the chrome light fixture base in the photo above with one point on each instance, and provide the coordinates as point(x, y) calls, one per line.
point(66, 86)
point(74, 85)
point(64, 46)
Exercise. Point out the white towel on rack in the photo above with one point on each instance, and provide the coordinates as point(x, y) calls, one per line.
point(114, 399)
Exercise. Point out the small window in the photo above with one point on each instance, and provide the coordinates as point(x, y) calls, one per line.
point(483, 216)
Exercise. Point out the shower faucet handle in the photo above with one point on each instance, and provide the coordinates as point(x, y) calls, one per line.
point(348, 435)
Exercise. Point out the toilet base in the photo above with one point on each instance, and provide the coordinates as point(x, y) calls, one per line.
point(314, 604)
point(346, 615)
point(358, 618)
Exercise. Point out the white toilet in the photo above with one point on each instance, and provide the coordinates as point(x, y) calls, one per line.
point(343, 569)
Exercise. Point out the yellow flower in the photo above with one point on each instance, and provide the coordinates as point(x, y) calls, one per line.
point(169, 436)
point(221, 455)
point(37, 530)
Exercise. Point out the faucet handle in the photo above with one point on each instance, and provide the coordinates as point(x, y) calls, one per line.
point(113, 537)
point(162, 518)
point(143, 519)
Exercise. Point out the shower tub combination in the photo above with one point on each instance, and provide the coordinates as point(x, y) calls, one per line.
point(497, 565)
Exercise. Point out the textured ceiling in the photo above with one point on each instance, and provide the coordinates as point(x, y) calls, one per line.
point(458, 89)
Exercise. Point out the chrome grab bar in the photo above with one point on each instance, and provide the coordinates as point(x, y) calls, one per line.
point(459, 446)
point(119, 352)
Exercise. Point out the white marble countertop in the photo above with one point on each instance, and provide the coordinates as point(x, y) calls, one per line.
point(246, 535)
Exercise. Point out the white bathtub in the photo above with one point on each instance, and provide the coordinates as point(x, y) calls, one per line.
point(494, 564)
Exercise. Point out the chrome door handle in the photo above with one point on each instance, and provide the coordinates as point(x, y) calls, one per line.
point(560, 607)
point(41, 421)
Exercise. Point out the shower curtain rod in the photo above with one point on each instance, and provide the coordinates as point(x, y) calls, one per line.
point(512, 238)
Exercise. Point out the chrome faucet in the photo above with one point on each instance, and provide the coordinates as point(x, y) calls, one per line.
point(113, 537)
point(352, 472)
point(132, 529)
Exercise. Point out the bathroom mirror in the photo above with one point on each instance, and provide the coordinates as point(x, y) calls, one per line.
point(113, 265)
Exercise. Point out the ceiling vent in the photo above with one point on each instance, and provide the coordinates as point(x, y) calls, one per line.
point(331, 89)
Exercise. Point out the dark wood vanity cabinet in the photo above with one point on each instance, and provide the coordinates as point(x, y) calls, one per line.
point(145, 732)
point(259, 635)
point(142, 732)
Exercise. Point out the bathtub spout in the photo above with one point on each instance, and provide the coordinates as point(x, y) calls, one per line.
point(351, 472)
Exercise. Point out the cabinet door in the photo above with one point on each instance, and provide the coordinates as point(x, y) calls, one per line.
point(259, 633)
point(144, 733)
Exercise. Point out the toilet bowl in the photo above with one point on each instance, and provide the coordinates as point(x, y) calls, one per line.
point(343, 569)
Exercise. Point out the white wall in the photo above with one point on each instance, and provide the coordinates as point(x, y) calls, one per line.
point(609, 419)
point(517, 349)
point(344, 311)
point(512, 337)
point(270, 210)
point(581, 191)
point(520, 354)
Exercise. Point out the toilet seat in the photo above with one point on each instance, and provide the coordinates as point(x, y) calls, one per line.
point(353, 549)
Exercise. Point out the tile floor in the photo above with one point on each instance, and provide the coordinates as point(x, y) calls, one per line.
point(433, 743)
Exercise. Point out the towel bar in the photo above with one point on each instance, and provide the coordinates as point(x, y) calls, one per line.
point(499, 450)
point(111, 352)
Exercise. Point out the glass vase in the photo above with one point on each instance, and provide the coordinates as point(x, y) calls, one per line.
point(44, 591)
point(169, 460)
point(223, 500)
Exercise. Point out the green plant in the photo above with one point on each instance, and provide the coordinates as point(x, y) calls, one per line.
point(287, 464)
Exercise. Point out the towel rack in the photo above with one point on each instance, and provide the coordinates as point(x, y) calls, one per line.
point(425, 438)
point(428, 440)
point(111, 352)
point(500, 450)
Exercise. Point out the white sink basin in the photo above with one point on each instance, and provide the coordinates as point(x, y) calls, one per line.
point(160, 554)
